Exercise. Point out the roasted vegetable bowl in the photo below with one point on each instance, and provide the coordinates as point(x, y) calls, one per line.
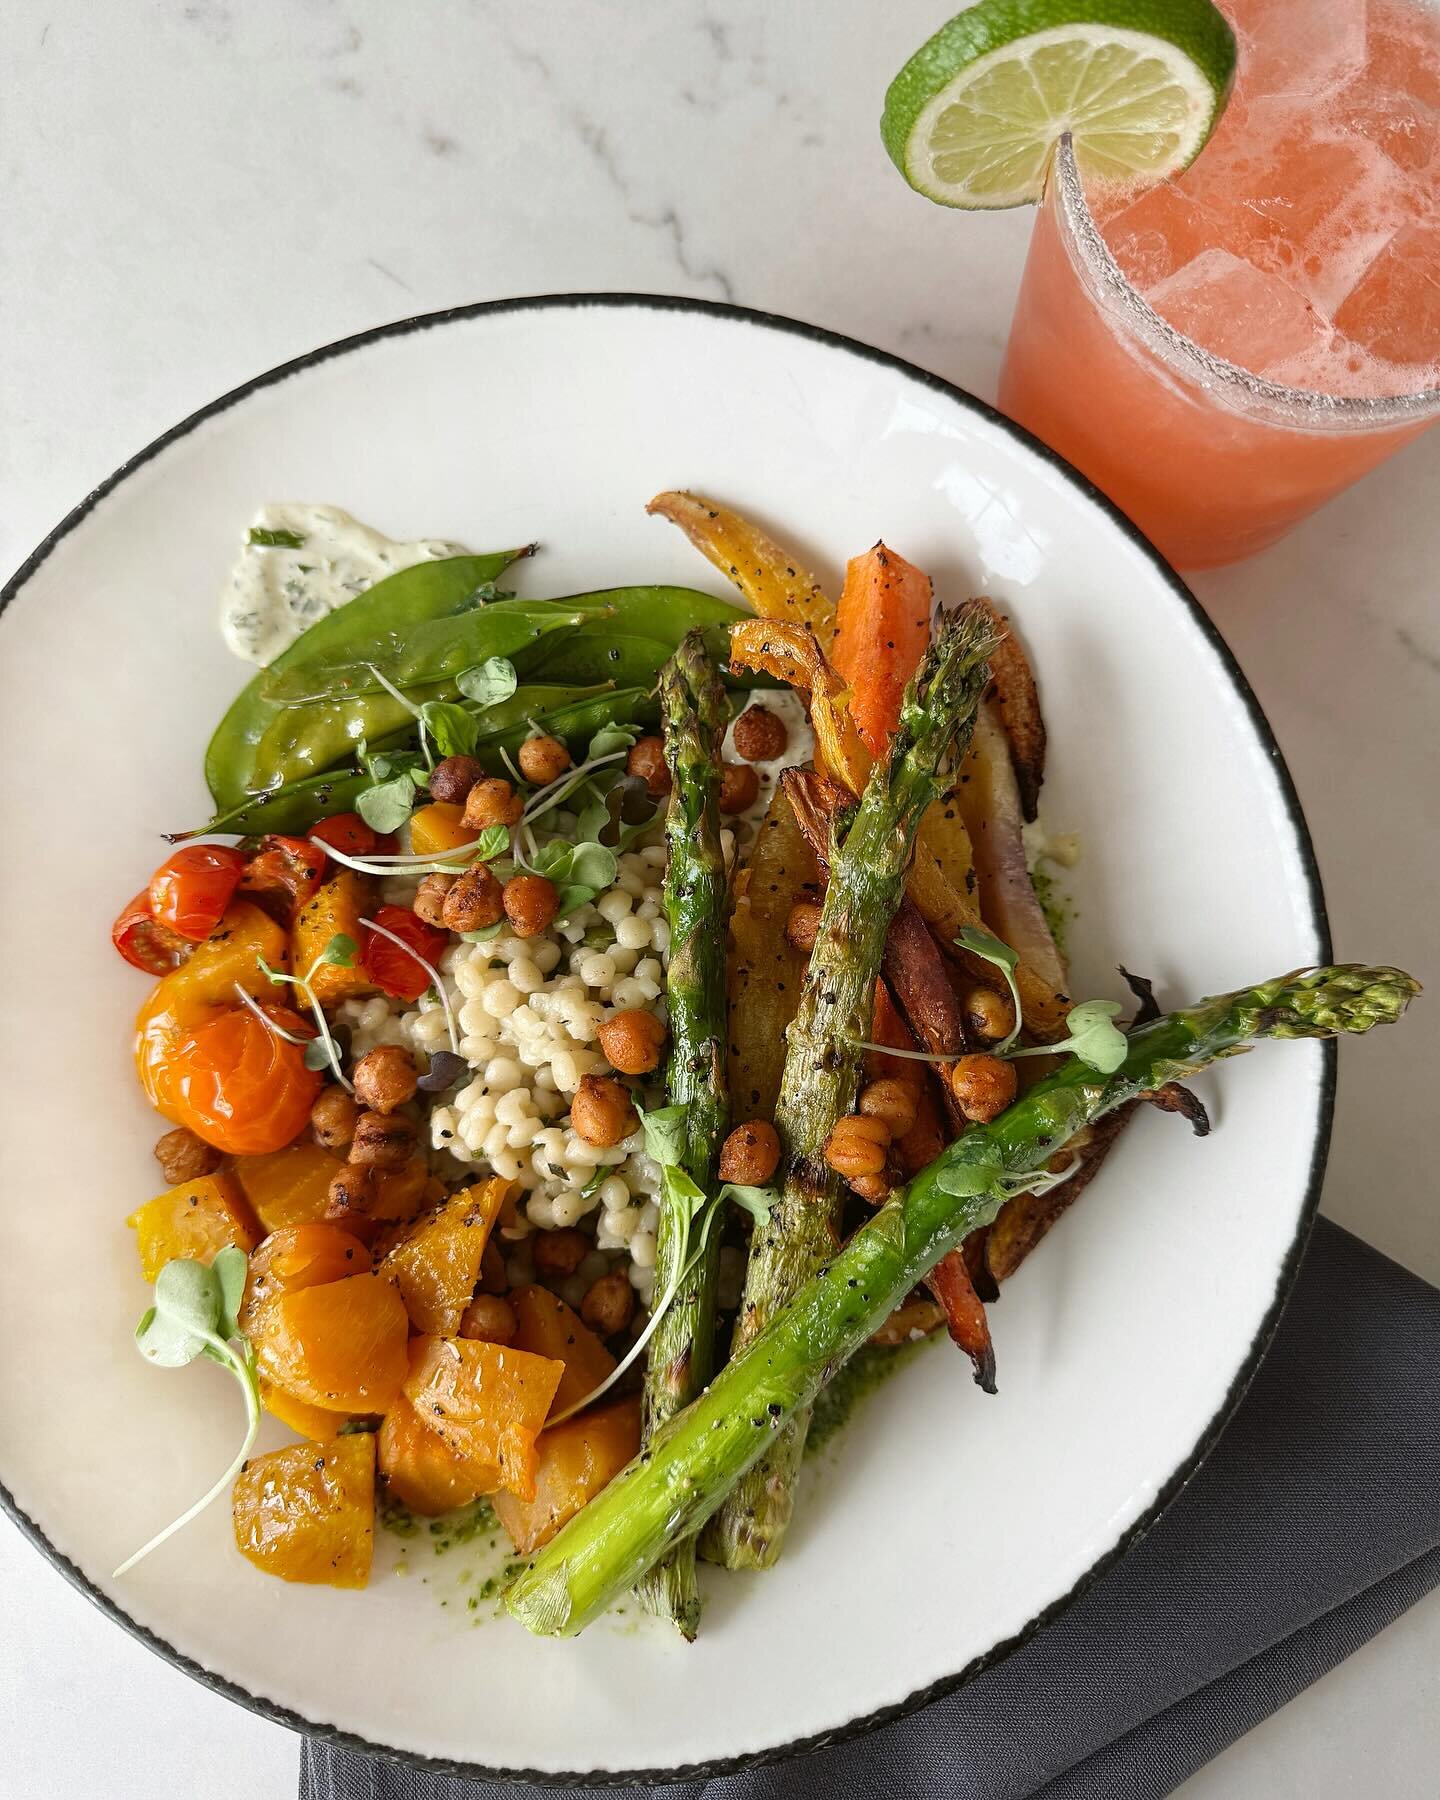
point(570, 1060)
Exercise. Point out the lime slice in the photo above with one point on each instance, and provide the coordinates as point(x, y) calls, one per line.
point(973, 116)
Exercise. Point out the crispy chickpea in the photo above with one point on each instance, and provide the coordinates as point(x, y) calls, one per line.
point(559, 1252)
point(647, 760)
point(493, 1276)
point(385, 1078)
point(490, 1318)
point(530, 903)
point(183, 1156)
point(609, 1303)
point(382, 1140)
point(332, 1119)
point(988, 1014)
point(803, 925)
point(857, 1146)
point(602, 1112)
point(491, 802)
point(760, 735)
point(452, 779)
point(543, 760)
point(632, 1040)
point(429, 903)
point(892, 1100)
point(473, 901)
point(352, 1193)
point(983, 1085)
point(750, 1154)
point(739, 785)
point(874, 1189)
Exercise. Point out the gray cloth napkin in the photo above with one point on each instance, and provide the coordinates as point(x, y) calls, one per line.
point(1314, 1523)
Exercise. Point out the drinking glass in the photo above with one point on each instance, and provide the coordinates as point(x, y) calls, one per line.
point(1211, 462)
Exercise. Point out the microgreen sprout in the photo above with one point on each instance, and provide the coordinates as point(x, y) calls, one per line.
point(194, 1314)
point(984, 1173)
point(436, 983)
point(492, 842)
point(1093, 1037)
point(688, 1206)
point(340, 952)
point(489, 682)
point(417, 712)
point(555, 792)
point(989, 948)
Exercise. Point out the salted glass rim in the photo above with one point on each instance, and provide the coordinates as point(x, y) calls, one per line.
point(1302, 407)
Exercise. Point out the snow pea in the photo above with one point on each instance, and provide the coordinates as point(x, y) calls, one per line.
point(400, 602)
point(307, 739)
point(572, 713)
point(436, 651)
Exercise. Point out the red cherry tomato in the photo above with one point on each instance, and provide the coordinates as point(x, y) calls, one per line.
point(282, 875)
point(239, 1086)
point(191, 889)
point(388, 966)
point(348, 832)
point(144, 942)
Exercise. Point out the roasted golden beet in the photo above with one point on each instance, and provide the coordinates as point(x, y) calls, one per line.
point(307, 1513)
point(577, 1459)
point(340, 1345)
point(488, 1402)
point(195, 1219)
point(337, 907)
point(548, 1327)
point(419, 1467)
point(289, 1186)
point(437, 1265)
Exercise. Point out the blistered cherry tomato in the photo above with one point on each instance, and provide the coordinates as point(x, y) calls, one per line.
point(282, 875)
point(388, 966)
point(144, 942)
point(348, 832)
point(237, 1084)
point(191, 889)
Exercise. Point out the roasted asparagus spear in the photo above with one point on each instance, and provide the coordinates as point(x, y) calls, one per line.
point(694, 715)
point(690, 1466)
point(823, 1057)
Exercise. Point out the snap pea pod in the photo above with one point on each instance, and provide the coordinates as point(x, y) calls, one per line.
point(638, 627)
point(307, 740)
point(401, 601)
point(582, 654)
point(433, 652)
point(573, 714)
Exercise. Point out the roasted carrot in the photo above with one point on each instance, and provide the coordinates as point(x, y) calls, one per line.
point(882, 626)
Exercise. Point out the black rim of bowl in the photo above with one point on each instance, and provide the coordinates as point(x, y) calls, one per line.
point(333, 1735)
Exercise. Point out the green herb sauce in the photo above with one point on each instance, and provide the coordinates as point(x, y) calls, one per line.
point(1055, 904)
point(866, 1371)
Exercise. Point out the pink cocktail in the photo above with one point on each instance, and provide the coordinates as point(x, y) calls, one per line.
point(1224, 352)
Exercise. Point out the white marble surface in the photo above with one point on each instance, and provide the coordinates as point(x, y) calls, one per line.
point(196, 191)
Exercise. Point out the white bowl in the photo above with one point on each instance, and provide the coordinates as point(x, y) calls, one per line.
point(949, 1524)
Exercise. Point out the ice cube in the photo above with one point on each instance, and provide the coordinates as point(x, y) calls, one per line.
point(1239, 312)
point(1393, 311)
point(1403, 46)
point(1405, 129)
point(1154, 235)
point(1303, 48)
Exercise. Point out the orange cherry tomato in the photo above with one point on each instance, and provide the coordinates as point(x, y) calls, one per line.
point(144, 942)
point(237, 1084)
point(348, 832)
point(388, 966)
point(191, 889)
point(201, 1067)
point(282, 875)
